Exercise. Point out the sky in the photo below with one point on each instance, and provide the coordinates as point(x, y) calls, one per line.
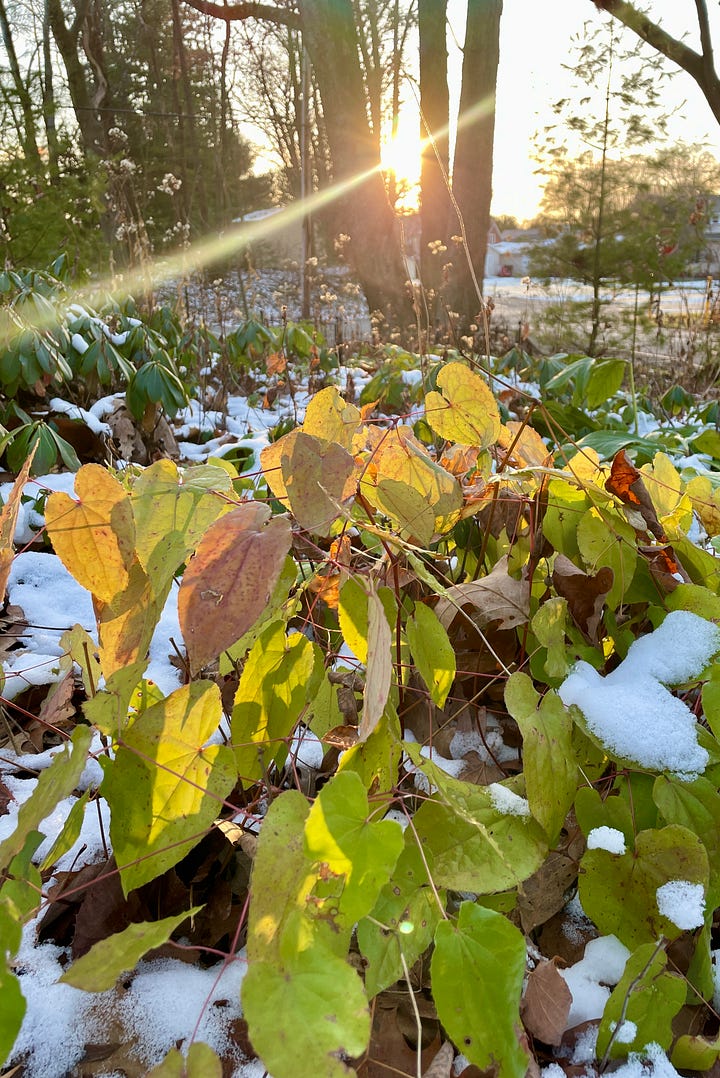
point(535, 42)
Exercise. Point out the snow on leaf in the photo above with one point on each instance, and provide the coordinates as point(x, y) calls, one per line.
point(465, 411)
point(94, 534)
point(227, 585)
point(649, 996)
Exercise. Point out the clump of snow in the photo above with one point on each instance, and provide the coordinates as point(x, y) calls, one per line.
point(504, 800)
point(632, 712)
point(575, 923)
point(601, 966)
point(626, 1033)
point(683, 903)
point(650, 1063)
point(606, 838)
point(585, 1046)
point(74, 411)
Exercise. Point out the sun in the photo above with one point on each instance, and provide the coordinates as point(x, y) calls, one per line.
point(400, 158)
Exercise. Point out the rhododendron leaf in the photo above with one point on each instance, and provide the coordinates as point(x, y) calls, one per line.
point(466, 411)
point(94, 533)
point(227, 585)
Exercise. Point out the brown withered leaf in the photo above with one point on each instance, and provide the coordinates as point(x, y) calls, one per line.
point(228, 582)
point(546, 1004)
point(665, 569)
point(495, 597)
point(276, 363)
point(626, 483)
point(341, 737)
point(441, 1066)
point(478, 771)
point(389, 1051)
point(5, 798)
point(585, 594)
point(545, 893)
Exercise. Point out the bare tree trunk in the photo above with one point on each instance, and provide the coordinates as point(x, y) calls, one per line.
point(435, 206)
point(29, 135)
point(472, 171)
point(48, 100)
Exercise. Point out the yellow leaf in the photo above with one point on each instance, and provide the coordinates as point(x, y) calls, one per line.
point(94, 534)
point(706, 503)
point(664, 485)
point(318, 477)
point(528, 448)
point(331, 418)
point(408, 463)
point(8, 520)
point(466, 412)
point(126, 625)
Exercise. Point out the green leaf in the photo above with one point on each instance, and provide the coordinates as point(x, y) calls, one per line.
point(166, 785)
point(13, 1008)
point(465, 411)
point(566, 505)
point(432, 652)
point(606, 539)
point(353, 614)
point(53, 785)
point(592, 811)
point(549, 763)
point(108, 709)
point(485, 951)
point(201, 1062)
point(108, 959)
point(339, 836)
point(471, 845)
point(647, 995)
point(695, 1053)
point(402, 922)
point(377, 759)
point(306, 1012)
point(618, 892)
point(695, 805)
point(549, 625)
point(281, 675)
point(69, 834)
point(605, 380)
point(173, 510)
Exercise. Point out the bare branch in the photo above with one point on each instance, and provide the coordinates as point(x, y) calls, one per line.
point(240, 12)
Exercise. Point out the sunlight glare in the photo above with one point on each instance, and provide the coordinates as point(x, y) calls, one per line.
point(400, 155)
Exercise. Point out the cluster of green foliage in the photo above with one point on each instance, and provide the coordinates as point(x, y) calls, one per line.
point(455, 562)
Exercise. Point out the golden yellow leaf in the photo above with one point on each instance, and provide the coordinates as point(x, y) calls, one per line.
point(528, 448)
point(94, 533)
point(331, 418)
point(706, 503)
point(466, 411)
point(8, 520)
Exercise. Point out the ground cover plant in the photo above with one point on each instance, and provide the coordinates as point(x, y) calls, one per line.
point(390, 714)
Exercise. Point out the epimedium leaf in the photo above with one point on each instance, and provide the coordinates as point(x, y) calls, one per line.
point(695, 805)
point(432, 652)
point(165, 785)
point(548, 625)
point(618, 891)
point(376, 760)
point(79, 647)
point(485, 950)
point(339, 834)
point(465, 411)
point(127, 624)
point(400, 458)
point(281, 675)
point(606, 540)
point(407, 510)
point(69, 834)
point(353, 614)
point(402, 922)
point(378, 674)
point(53, 785)
point(317, 479)
point(649, 996)
point(94, 533)
point(108, 709)
point(228, 583)
point(13, 1007)
point(99, 968)
point(331, 418)
point(306, 1012)
point(201, 1062)
point(550, 767)
point(173, 510)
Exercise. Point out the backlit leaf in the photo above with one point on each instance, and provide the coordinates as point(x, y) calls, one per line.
point(607, 540)
point(331, 418)
point(94, 533)
point(127, 624)
point(378, 674)
point(99, 968)
point(466, 411)
point(13, 1007)
point(316, 478)
point(280, 677)
point(173, 510)
point(8, 520)
point(339, 835)
point(166, 785)
point(483, 950)
point(432, 652)
point(227, 585)
point(407, 509)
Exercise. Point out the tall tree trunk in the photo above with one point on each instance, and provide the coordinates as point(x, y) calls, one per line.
point(48, 100)
point(67, 39)
point(472, 170)
point(435, 203)
point(360, 203)
point(29, 136)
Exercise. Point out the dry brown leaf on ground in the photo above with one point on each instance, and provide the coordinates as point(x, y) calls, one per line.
point(441, 1066)
point(585, 594)
point(546, 1004)
point(495, 597)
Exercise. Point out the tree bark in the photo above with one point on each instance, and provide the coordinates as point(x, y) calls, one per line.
point(360, 204)
point(29, 137)
point(472, 169)
point(435, 205)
